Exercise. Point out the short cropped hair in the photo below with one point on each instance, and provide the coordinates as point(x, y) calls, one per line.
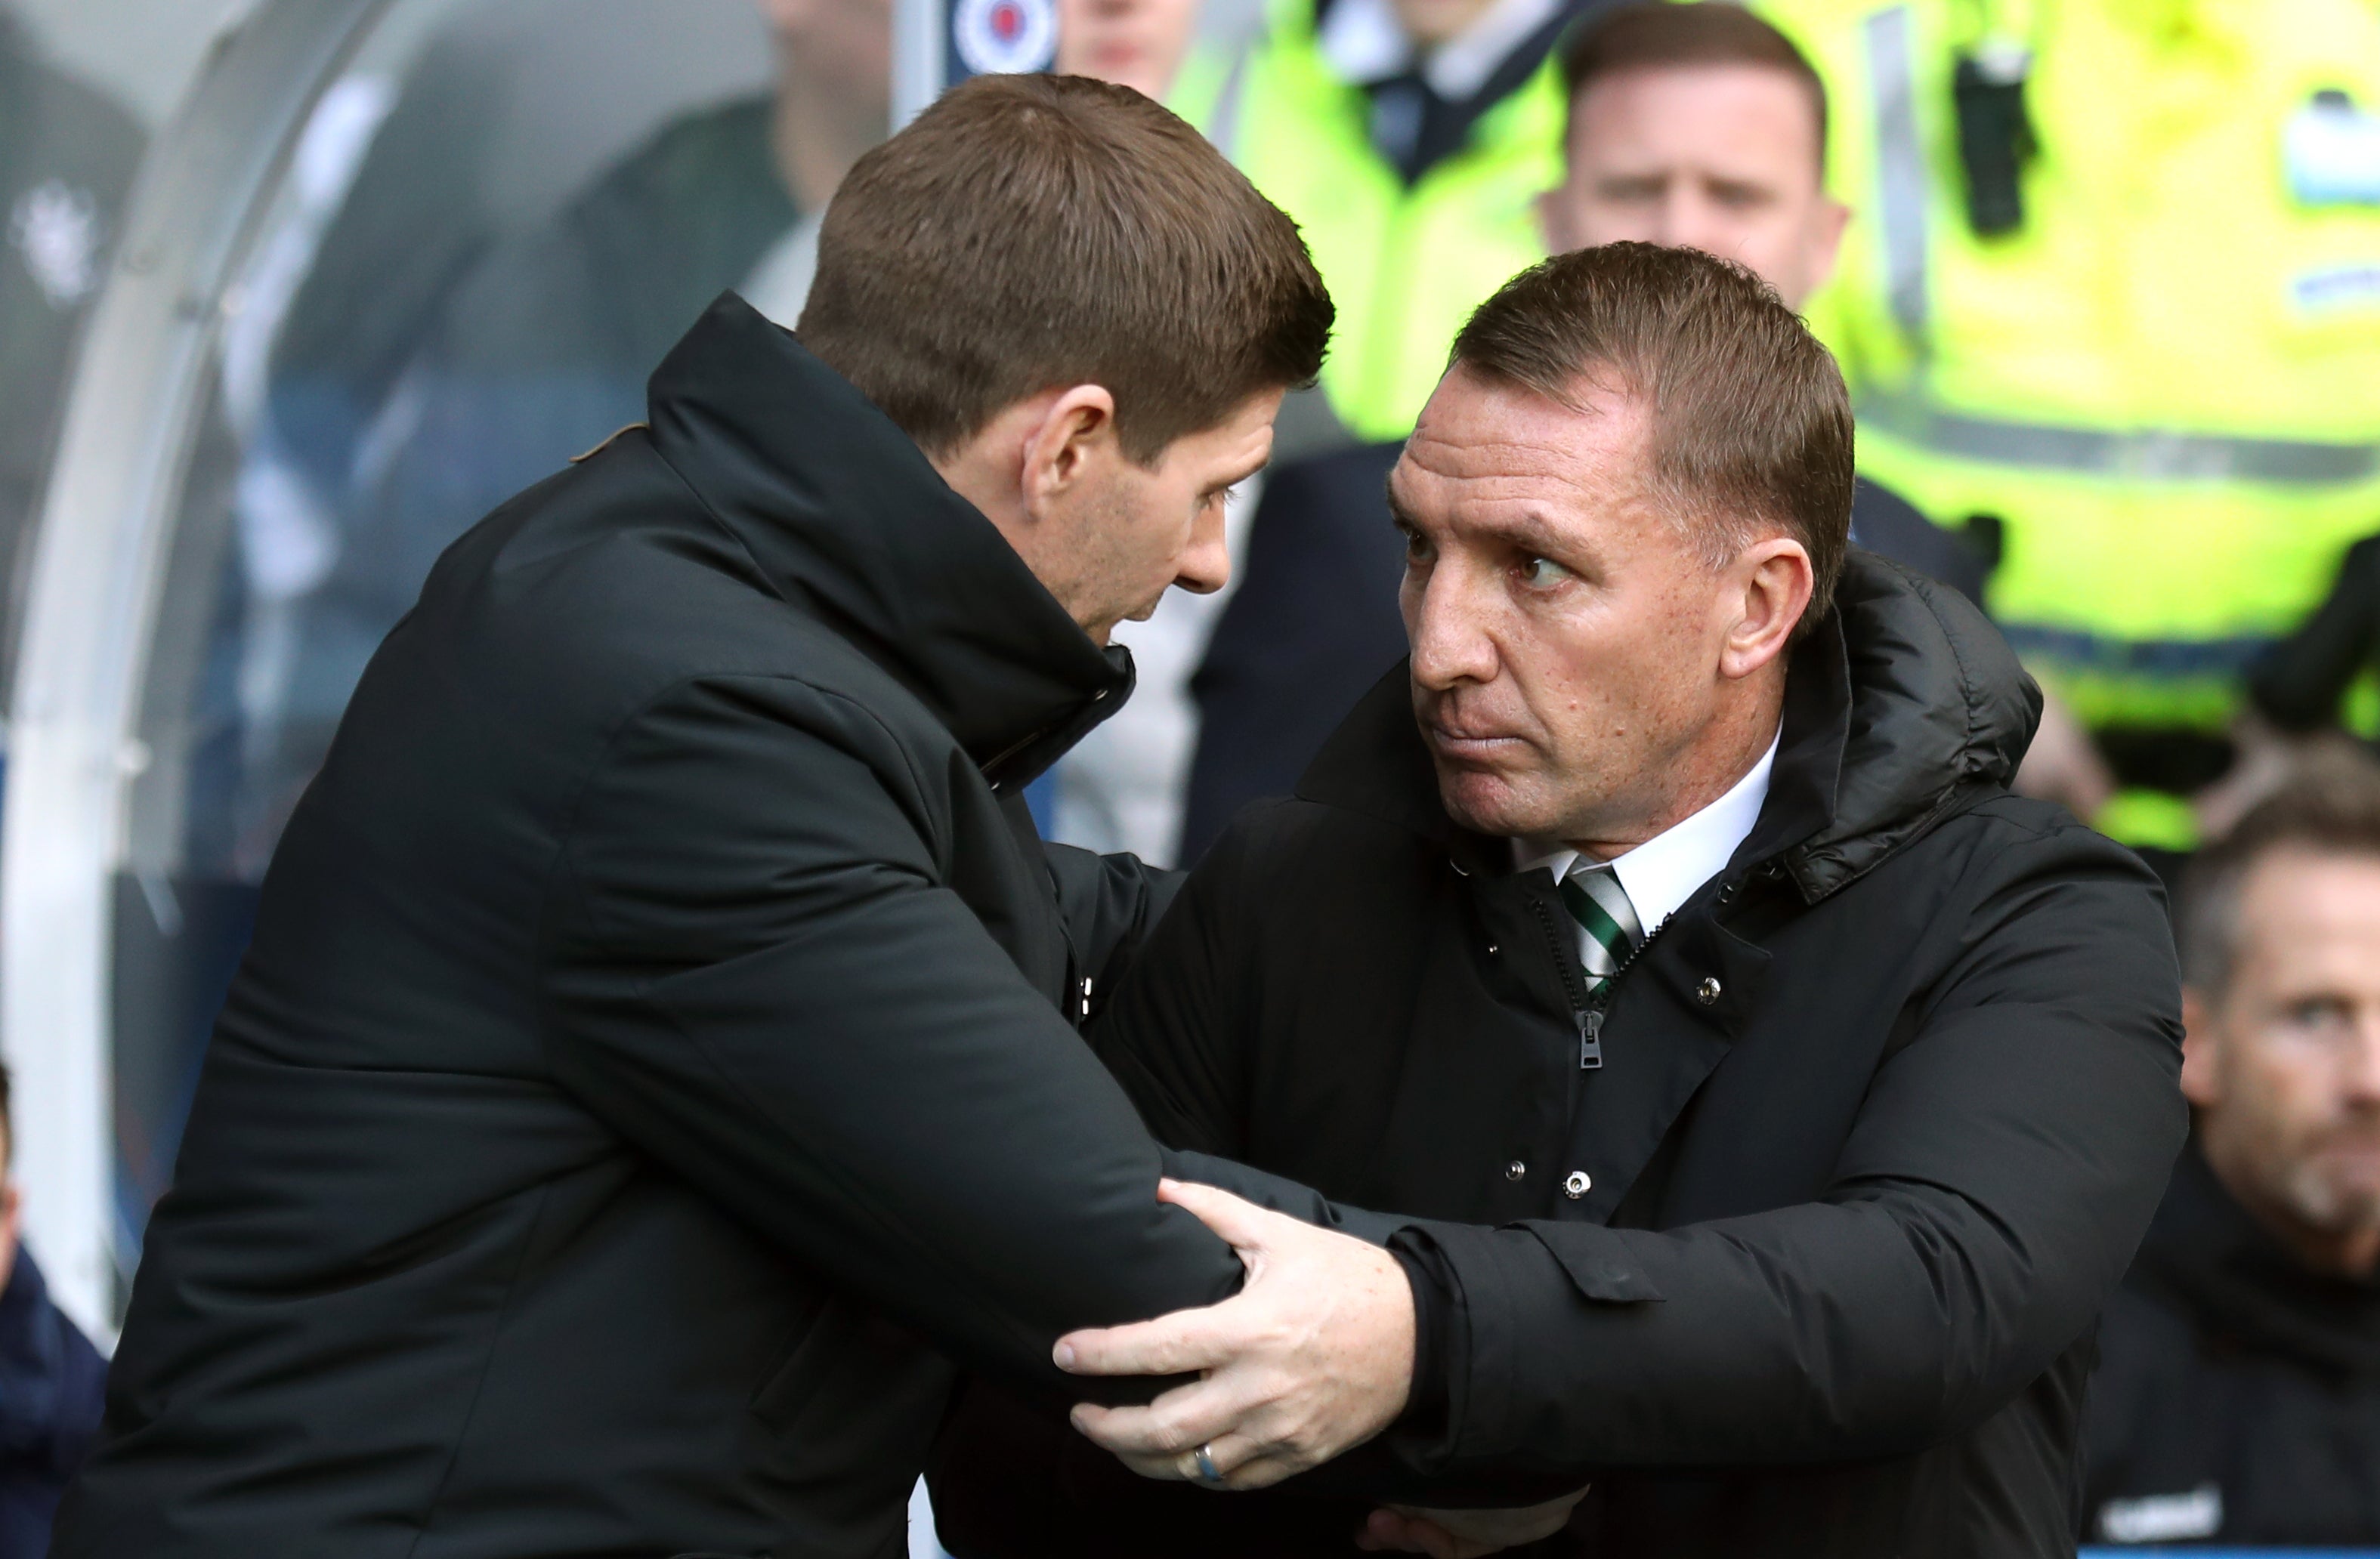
point(1751, 426)
point(1031, 232)
point(1664, 35)
point(2332, 808)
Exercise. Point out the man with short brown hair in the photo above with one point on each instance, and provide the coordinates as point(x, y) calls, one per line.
point(1791, 1094)
point(655, 1061)
point(2238, 1395)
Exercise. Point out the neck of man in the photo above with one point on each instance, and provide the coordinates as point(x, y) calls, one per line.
point(2352, 1251)
point(1706, 768)
point(818, 129)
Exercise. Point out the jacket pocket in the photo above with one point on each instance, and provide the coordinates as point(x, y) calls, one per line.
point(1600, 1268)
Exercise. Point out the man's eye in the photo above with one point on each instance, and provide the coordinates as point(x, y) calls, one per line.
point(1416, 550)
point(1542, 574)
point(2316, 1012)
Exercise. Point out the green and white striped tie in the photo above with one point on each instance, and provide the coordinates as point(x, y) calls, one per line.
point(1601, 908)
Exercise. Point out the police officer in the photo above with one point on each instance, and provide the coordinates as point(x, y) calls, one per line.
point(2116, 294)
point(1408, 138)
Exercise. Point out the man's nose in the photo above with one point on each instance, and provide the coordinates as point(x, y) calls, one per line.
point(2363, 1062)
point(1689, 221)
point(1206, 565)
point(1447, 631)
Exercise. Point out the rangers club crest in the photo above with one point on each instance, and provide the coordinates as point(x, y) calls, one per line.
point(1000, 37)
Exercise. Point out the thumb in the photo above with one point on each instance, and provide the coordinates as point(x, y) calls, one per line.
point(1242, 1224)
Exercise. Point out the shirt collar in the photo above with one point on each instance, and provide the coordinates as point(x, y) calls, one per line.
point(1663, 872)
point(1363, 43)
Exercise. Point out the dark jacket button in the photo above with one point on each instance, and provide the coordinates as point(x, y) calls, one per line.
point(1707, 991)
point(1579, 1183)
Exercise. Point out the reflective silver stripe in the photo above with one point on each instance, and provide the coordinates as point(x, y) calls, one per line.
point(2150, 455)
point(1900, 167)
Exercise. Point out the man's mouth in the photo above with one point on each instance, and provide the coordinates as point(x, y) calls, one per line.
point(1467, 741)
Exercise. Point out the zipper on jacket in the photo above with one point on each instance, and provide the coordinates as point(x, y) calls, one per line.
point(1588, 1010)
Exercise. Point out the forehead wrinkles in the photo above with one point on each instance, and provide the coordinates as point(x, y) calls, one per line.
point(1538, 454)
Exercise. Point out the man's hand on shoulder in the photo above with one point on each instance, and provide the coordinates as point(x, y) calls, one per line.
point(1313, 1357)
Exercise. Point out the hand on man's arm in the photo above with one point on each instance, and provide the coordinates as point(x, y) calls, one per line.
point(1312, 1358)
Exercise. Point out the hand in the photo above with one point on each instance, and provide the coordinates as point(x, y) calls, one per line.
point(1314, 1355)
point(1462, 1534)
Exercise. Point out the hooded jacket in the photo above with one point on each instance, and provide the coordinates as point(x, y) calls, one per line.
point(2238, 1395)
point(1810, 1262)
point(655, 1044)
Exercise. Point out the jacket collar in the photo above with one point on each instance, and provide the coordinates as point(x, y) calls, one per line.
point(846, 519)
point(1899, 702)
point(2208, 1256)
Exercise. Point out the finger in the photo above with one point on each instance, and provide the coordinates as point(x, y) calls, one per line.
point(1239, 1224)
point(1180, 1344)
point(1206, 1412)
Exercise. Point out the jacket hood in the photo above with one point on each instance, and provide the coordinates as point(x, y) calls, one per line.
point(846, 518)
point(2206, 1256)
point(1901, 702)
point(1904, 698)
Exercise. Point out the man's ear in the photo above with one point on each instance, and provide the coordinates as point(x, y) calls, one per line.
point(1074, 438)
point(2201, 1060)
point(1777, 583)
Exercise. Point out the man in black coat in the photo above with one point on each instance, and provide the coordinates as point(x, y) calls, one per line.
point(2238, 1395)
point(1816, 1089)
point(655, 1054)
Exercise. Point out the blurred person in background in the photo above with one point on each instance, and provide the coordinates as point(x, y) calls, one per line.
point(1407, 139)
point(1699, 126)
point(52, 1379)
point(1135, 43)
point(2114, 299)
point(397, 422)
point(67, 153)
point(2238, 1395)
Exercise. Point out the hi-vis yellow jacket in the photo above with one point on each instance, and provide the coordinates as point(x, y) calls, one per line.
point(2165, 378)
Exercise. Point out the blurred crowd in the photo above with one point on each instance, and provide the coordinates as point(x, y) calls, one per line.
point(2104, 278)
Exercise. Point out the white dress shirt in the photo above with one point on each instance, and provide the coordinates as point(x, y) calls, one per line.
point(1663, 872)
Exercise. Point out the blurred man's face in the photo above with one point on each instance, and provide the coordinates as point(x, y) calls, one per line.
point(1431, 22)
point(9, 1208)
point(1135, 43)
point(1567, 633)
point(1723, 158)
point(845, 42)
point(2285, 1066)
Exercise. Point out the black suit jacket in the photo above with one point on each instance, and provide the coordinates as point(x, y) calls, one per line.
point(1809, 1263)
point(656, 1040)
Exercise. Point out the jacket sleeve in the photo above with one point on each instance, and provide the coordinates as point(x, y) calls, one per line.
point(1110, 904)
point(756, 975)
point(1175, 1033)
point(2299, 682)
point(1991, 1192)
